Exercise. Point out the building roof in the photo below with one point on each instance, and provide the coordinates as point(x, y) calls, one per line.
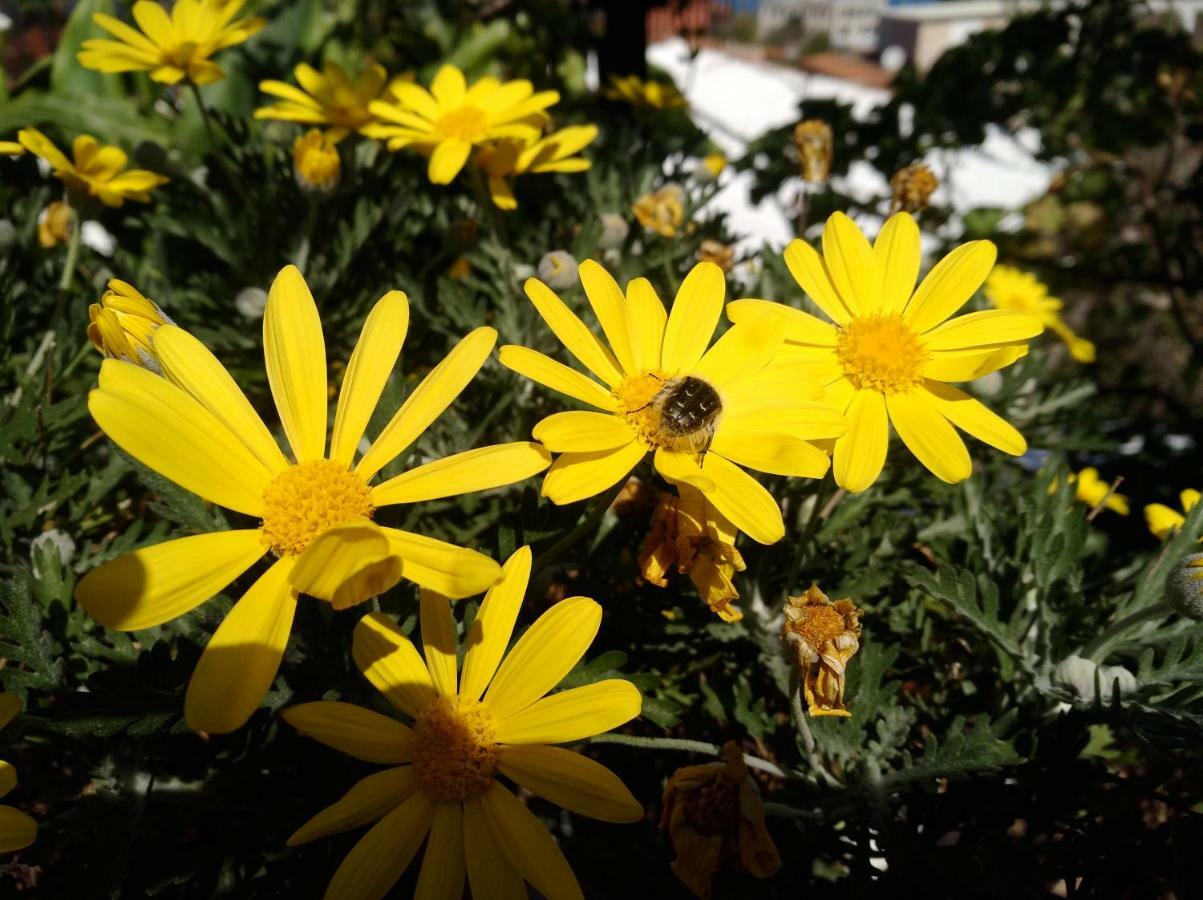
point(849, 68)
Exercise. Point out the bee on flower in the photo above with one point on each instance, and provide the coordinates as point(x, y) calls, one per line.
point(821, 637)
point(661, 211)
point(1011, 288)
point(329, 98)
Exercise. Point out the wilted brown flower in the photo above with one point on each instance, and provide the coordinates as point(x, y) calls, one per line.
point(813, 139)
point(913, 186)
point(822, 637)
point(661, 211)
point(54, 225)
point(717, 253)
point(714, 816)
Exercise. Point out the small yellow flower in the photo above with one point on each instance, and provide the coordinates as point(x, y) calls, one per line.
point(661, 211)
point(328, 98)
point(54, 224)
point(97, 171)
point(1010, 288)
point(822, 636)
point(170, 47)
point(122, 325)
point(894, 348)
point(315, 511)
point(913, 186)
point(715, 817)
point(11, 148)
point(501, 160)
point(17, 830)
point(719, 254)
point(1163, 521)
point(315, 161)
point(648, 94)
point(1091, 490)
point(813, 141)
point(452, 117)
point(689, 534)
point(493, 718)
point(713, 164)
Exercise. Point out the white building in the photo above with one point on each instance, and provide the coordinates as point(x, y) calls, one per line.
point(850, 25)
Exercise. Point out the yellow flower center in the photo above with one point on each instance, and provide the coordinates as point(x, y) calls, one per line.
point(881, 353)
point(181, 55)
point(678, 414)
point(455, 750)
point(466, 124)
point(818, 624)
point(311, 497)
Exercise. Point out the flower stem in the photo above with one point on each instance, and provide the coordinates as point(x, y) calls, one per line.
point(204, 113)
point(687, 746)
point(1097, 649)
point(69, 264)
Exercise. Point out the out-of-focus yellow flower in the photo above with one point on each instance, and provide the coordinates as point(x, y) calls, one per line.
point(648, 94)
point(661, 211)
point(1164, 521)
point(813, 140)
point(719, 254)
point(504, 159)
point(460, 269)
point(54, 224)
point(1092, 490)
point(17, 830)
point(714, 816)
point(97, 170)
point(328, 98)
point(170, 47)
point(913, 186)
point(452, 117)
point(1010, 288)
point(11, 148)
point(315, 161)
point(693, 537)
point(123, 323)
point(713, 165)
point(822, 636)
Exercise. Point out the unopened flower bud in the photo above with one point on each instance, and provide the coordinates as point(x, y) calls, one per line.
point(614, 231)
point(558, 270)
point(1184, 587)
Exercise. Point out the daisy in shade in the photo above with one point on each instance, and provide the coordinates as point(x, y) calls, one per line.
point(702, 410)
point(17, 830)
point(315, 509)
point(171, 47)
point(329, 98)
point(97, 170)
point(495, 719)
point(894, 349)
point(452, 117)
point(503, 160)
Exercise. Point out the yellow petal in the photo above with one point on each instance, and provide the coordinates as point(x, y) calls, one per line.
point(557, 376)
point(17, 830)
point(929, 436)
point(786, 381)
point(980, 329)
point(490, 873)
point(380, 857)
point(389, 660)
point(8, 777)
point(573, 715)
point(861, 452)
point(443, 865)
point(898, 253)
point(436, 392)
point(153, 585)
point(681, 468)
point(812, 276)
point(776, 454)
point(973, 418)
point(646, 319)
point(352, 730)
point(966, 365)
point(852, 265)
point(452, 571)
point(528, 846)
point(740, 353)
point(448, 87)
point(579, 431)
point(808, 421)
point(570, 780)
point(241, 660)
point(188, 363)
point(544, 655)
point(743, 500)
point(1162, 520)
point(952, 281)
point(438, 641)
point(295, 353)
point(464, 473)
point(10, 708)
point(573, 333)
point(370, 799)
point(575, 476)
point(794, 324)
point(494, 625)
point(447, 159)
point(609, 305)
point(368, 371)
point(347, 564)
point(165, 428)
point(693, 318)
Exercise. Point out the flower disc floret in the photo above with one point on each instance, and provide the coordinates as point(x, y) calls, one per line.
point(455, 750)
point(881, 353)
point(308, 499)
point(465, 124)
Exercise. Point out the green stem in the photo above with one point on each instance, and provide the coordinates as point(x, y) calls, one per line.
point(687, 746)
point(670, 277)
point(307, 239)
point(806, 736)
point(1097, 649)
point(590, 525)
point(204, 114)
point(64, 282)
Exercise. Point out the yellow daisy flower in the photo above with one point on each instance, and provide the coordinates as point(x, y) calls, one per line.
point(315, 162)
point(893, 349)
point(172, 47)
point(195, 427)
point(452, 117)
point(496, 718)
point(55, 224)
point(122, 325)
point(97, 171)
point(1010, 288)
point(649, 94)
point(702, 412)
point(503, 160)
point(1163, 521)
point(17, 830)
point(1090, 489)
point(328, 98)
point(661, 211)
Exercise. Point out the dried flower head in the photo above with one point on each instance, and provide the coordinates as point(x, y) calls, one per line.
point(913, 186)
point(822, 636)
point(718, 253)
point(714, 816)
point(661, 211)
point(54, 224)
point(814, 140)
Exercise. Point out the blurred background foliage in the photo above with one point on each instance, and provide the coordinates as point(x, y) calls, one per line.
point(971, 767)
